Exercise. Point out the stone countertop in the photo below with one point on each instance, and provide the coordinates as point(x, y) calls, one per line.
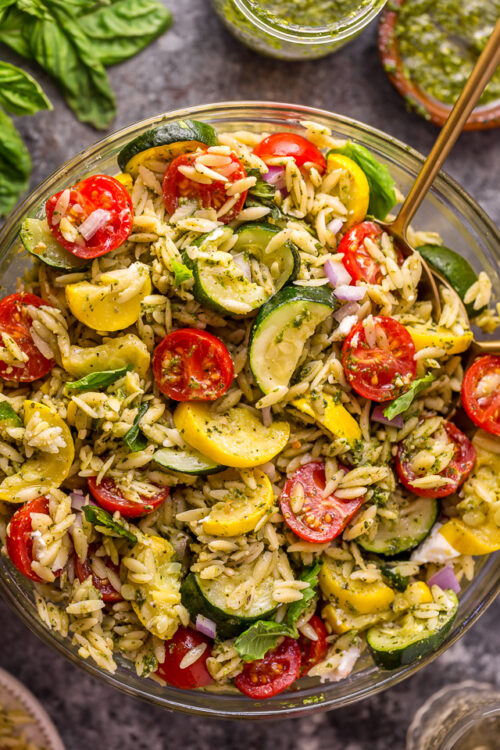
point(197, 61)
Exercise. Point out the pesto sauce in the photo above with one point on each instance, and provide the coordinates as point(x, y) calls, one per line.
point(308, 12)
point(439, 43)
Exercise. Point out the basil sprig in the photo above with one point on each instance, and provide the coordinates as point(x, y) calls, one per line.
point(99, 379)
point(134, 439)
point(402, 403)
point(100, 517)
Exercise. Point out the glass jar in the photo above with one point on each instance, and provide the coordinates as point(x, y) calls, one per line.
point(265, 33)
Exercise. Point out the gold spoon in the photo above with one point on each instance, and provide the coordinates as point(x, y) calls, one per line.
point(481, 74)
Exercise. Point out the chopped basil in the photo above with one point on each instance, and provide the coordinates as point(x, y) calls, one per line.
point(295, 610)
point(402, 403)
point(100, 517)
point(97, 379)
point(261, 637)
point(8, 413)
point(181, 272)
point(134, 439)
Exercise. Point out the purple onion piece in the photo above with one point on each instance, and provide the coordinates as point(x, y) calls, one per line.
point(335, 225)
point(77, 500)
point(445, 578)
point(206, 626)
point(378, 416)
point(349, 293)
point(350, 308)
point(336, 273)
point(275, 176)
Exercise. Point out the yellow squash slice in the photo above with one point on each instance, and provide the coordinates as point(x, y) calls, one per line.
point(111, 355)
point(452, 343)
point(331, 416)
point(352, 188)
point(242, 510)
point(356, 596)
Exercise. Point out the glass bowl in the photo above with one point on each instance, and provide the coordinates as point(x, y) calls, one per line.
point(447, 209)
point(264, 33)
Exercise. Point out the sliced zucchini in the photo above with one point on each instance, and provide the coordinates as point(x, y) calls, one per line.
point(253, 239)
point(394, 578)
point(225, 288)
point(407, 639)
point(209, 598)
point(416, 517)
point(40, 242)
point(110, 355)
point(454, 267)
point(165, 142)
point(186, 461)
point(281, 329)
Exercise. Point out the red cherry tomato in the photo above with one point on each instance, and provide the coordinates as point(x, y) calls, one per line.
point(481, 393)
point(192, 365)
point(84, 569)
point(384, 370)
point(312, 652)
point(357, 260)
point(16, 322)
point(272, 674)
point(111, 499)
point(320, 518)
point(457, 470)
point(290, 144)
point(176, 186)
point(99, 192)
point(19, 541)
point(194, 676)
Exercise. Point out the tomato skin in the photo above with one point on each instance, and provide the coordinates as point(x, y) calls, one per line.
point(192, 365)
point(109, 497)
point(290, 144)
point(321, 529)
point(16, 322)
point(83, 570)
point(312, 652)
point(19, 542)
point(271, 675)
point(97, 191)
point(176, 185)
point(372, 371)
point(194, 676)
point(458, 469)
point(483, 410)
point(357, 261)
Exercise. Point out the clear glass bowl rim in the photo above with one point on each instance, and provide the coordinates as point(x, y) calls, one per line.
point(317, 697)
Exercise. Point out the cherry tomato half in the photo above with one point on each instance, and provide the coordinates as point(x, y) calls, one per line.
point(99, 192)
point(290, 144)
point(19, 541)
point(272, 674)
point(192, 365)
point(457, 470)
point(481, 393)
point(84, 569)
point(111, 499)
point(177, 185)
point(320, 518)
point(312, 652)
point(16, 322)
point(383, 369)
point(196, 674)
point(357, 260)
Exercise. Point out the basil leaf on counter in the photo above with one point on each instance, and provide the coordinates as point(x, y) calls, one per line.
point(261, 637)
point(402, 403)
point(134, 439)
point(20, 94)
point(12, 31)
point(15, 164)
point(121, 30)
point(97, 379)
point(295, 609)
point(100, 517)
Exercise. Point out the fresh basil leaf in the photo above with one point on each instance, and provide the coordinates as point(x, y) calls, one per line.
point(181, 272)
point(8, 413)
point(402, 403)
point(124, 28)
point(295, 609)
point(382, 192)
point(261, 189)
point(261, 637)
point(97, 379)
point(20, 94)
point(4, 5)
point(13, 29)
point(134, 439)
point(35, 8)
point(100, 517)
point(15, 165)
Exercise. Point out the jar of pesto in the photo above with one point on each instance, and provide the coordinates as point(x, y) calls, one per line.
point(296, 29)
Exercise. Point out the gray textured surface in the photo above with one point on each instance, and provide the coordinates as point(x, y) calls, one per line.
point(196, 62)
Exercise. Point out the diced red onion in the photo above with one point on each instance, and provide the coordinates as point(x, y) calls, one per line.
point(275, 176)
point(266, 416)
point(351, 308)
point(349, 293)
point(94, 221)
point(60, 207)
point(337, 273)
point(335, 225)
point(77, 500)
point(378, 416)
point(206, 626)
point(445, 578)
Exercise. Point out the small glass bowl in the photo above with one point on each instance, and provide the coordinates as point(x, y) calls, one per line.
point(447, 209)
point(264, 33)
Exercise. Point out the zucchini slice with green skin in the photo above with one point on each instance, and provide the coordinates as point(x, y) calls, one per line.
point(409, 642)
point(253, 239)
point(393, 578)
point(40, 242)
point(165, 142)
point(454, 268)
point(209, 598)
point(416, 517)
point(281, 329)
point(186, 461)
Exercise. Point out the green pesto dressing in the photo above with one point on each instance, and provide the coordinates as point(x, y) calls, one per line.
point(439, 43)
point(309, 13)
